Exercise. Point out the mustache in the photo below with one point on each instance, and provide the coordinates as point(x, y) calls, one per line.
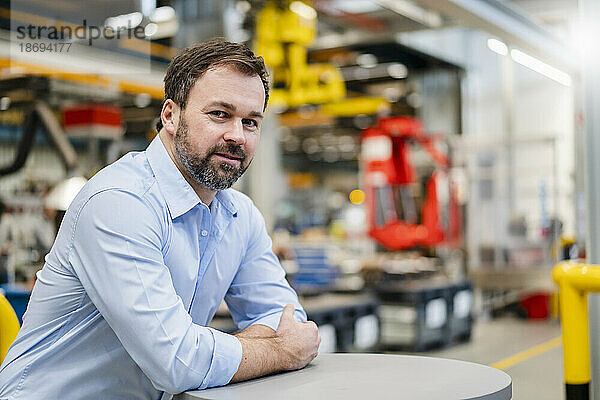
point(230, 148)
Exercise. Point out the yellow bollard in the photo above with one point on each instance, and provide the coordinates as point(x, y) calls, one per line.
point(575, 281)
point(9, 326)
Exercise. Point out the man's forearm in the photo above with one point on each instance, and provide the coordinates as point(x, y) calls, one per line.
point(255, 332)
point(260, 356)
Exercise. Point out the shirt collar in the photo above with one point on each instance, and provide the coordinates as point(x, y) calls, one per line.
point(178, 193)
point(225, 197)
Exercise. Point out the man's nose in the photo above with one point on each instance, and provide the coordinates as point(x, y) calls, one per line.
point(235, 133)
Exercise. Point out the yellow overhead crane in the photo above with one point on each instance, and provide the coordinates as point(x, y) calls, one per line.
point(282, 36)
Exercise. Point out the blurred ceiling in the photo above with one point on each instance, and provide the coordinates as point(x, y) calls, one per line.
point(370, 15)
point(377, 16)
point(559, 16)
point(95, 12)
point(548, 12)
point(374, 16)
point(540, 27)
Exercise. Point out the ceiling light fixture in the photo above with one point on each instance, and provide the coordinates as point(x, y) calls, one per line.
point(497, 46)
point(397, 71)
point(163, 14)
point(366, 60)
point(541, 67)
point(151, 29)
point(125, 21)
point(303, 10)
point(355, 6)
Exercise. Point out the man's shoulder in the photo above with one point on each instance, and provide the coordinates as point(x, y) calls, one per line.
point(130, 176)
point(130, 173)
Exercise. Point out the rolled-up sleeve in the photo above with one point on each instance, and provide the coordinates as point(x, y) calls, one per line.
point(260, 290)
point(226, 359)
point(116, 252)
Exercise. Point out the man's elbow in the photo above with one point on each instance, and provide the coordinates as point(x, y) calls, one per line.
point(177, 380)
point(170, 385)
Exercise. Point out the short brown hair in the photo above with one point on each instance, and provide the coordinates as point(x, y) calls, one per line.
point(192, 62)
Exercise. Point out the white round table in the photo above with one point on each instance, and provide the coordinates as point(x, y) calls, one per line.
point(372, 377)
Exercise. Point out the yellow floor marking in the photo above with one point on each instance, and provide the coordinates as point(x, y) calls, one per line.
point(529, 353)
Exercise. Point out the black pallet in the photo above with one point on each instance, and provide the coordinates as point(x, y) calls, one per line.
point(343, 319)
point(460, 327)
point(416, 295)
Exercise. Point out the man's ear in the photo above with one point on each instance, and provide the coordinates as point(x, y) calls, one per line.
point(170, 115)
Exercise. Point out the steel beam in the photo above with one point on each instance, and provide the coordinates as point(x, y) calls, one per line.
point(590, 15)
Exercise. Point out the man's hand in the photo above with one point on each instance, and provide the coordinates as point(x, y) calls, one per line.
point(298, 341)
point(293, 346)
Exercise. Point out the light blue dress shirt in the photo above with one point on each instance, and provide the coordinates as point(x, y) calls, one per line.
point(138, 269)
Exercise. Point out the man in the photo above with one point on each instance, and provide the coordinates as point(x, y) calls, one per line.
point(151, 246)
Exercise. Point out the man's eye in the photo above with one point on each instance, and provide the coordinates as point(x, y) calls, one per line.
point(250, 122)
point(218, 114)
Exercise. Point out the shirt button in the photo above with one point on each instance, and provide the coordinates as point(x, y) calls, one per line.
point(204, 233)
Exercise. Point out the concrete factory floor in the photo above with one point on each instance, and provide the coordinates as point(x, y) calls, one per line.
point(530, 351)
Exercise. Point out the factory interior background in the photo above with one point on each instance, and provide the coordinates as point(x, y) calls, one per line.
point(421, 165)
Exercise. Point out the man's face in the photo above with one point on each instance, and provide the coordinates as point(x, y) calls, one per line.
point(219, 128)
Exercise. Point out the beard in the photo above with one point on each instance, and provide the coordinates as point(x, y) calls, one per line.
point(205, 170)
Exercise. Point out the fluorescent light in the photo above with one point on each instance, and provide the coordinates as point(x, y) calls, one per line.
point(125, 21)
point(162, 29)
point(4, 103)
point(397, 70)
point(163, 14)
point(540, 67)
point(243, 7)
point(497, 46)
point(151, 29)
point(355, 6)
point(366, 60)
point(303, 10)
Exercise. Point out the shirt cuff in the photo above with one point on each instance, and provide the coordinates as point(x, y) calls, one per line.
point(272, 320)
point(227, 355)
